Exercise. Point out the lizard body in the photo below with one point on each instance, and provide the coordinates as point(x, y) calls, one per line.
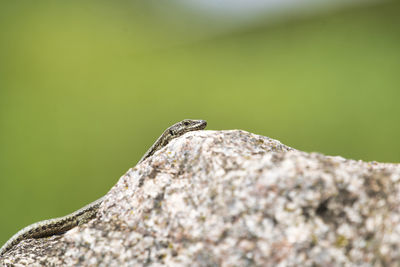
point(62, 224)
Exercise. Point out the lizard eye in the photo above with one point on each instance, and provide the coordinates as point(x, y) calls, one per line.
point(186, 123)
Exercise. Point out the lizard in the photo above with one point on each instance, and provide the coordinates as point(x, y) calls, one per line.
point(60, 225)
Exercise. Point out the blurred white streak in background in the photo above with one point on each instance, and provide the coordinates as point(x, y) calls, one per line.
point(250, 8)
point(230, 14)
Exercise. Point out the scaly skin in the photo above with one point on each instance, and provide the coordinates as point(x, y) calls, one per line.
point(62, 224)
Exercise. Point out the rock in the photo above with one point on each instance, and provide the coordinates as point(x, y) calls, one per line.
point(232, 198)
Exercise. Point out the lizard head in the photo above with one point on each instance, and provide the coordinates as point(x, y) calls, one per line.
point(172, 132)
point(185, 126)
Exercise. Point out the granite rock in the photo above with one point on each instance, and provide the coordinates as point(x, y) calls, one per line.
point(233, 198)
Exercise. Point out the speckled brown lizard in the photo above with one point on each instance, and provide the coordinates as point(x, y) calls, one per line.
point(60, 225)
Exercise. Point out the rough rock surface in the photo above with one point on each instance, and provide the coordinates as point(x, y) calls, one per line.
point(232, 198)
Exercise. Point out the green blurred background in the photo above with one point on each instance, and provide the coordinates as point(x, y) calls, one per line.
point(86, 87)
